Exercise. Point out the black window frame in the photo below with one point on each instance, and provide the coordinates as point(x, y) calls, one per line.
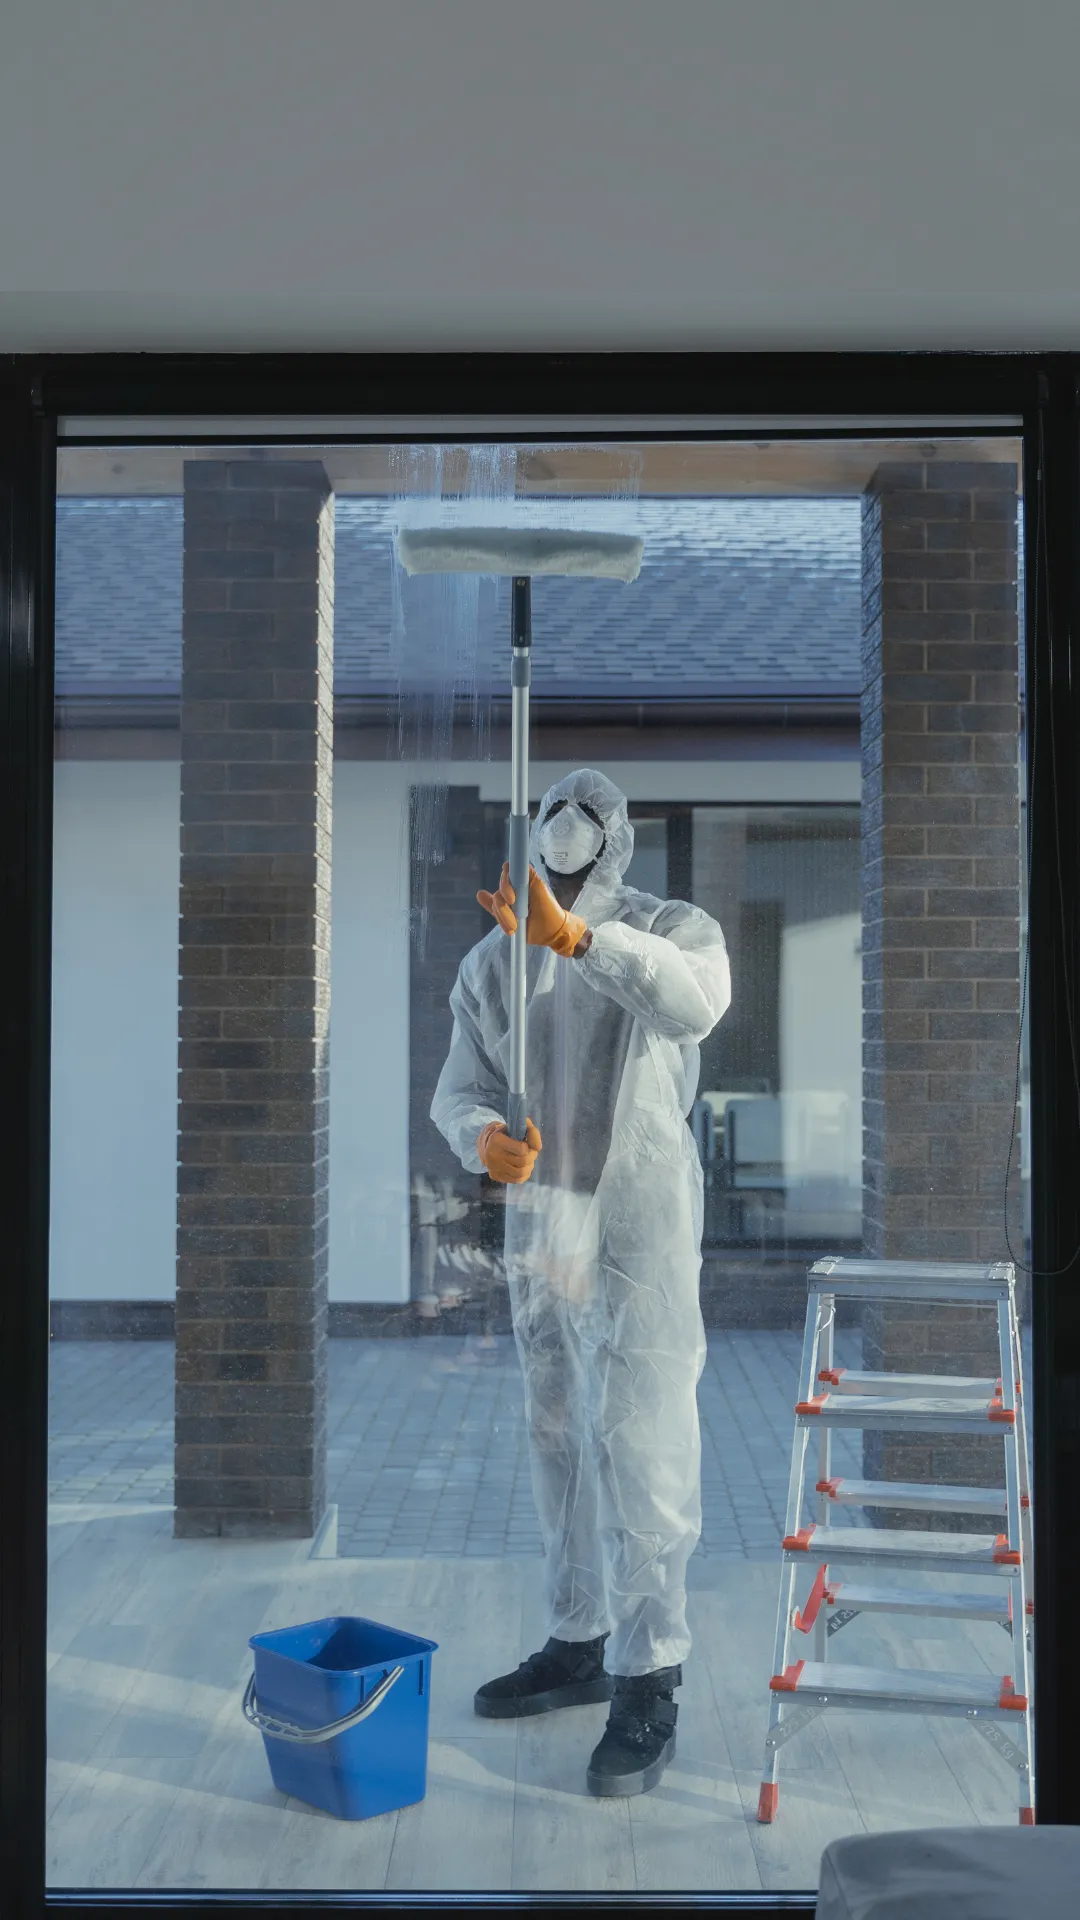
point(825, 394)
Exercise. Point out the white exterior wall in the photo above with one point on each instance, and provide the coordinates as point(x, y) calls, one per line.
point(821, 1052)
point(369, 1034)
point(742, 782)
point(116, 884)
point(116, 893)
point(115, 1005)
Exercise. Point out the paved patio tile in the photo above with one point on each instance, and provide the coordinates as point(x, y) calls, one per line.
point(427, 1451)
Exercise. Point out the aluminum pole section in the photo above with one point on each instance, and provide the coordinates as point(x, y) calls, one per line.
point(520, 677)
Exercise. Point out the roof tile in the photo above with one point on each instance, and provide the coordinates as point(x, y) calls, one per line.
point(733, 594)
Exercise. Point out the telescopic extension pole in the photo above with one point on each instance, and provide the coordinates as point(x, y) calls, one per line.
point(520, 677)
point(517, 554)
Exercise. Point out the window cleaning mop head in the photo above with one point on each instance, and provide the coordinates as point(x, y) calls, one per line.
point(520, 551)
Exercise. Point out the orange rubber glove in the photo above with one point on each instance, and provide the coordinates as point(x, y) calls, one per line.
point(548, 924)
point(510, 1161)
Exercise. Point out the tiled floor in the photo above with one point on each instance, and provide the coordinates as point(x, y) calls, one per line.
point(156, 1781)
point(427, 1454)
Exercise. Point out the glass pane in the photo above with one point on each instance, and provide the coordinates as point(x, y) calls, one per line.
point(782, 1073)
point(336, 1401)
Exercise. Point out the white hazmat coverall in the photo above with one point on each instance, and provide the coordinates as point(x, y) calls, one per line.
point(603, 1244)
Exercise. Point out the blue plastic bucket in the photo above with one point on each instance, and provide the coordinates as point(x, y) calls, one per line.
point(310, 1679)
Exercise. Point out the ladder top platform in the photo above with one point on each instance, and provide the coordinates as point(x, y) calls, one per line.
point(912, 1279)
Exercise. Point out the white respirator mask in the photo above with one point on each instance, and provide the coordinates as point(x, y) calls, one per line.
point(569, 840)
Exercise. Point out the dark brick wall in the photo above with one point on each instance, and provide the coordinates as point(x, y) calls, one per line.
point(737, 1290)
point(256, 752)
point(941, 878)
point(740, 1289)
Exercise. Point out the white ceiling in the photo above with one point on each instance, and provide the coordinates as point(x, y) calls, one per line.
point(428, 174)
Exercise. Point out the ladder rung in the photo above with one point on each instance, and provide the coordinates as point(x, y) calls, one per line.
point(936, 1415)
point(899, 1546)
point(884, 1687)
point(915, 1495)
point(991, 1605)
point(895, 1386)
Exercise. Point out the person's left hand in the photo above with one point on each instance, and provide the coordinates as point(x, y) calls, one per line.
point(507, 1160)
point(548, 924)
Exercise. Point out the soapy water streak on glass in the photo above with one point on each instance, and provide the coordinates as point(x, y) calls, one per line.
point(450, 634)
point(436, 647)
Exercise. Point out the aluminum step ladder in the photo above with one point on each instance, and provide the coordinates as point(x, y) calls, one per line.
point(832, 1397)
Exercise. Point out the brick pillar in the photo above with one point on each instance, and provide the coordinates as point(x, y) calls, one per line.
point(256, 762)
point(941, 974)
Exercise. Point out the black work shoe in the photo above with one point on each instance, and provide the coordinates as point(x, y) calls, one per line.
point(640, 1736)
point(565, 1673)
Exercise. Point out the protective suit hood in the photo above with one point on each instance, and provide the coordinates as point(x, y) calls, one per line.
point(589, 788)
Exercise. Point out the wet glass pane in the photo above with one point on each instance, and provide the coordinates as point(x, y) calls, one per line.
point(782, 1074)
point(346, 1413)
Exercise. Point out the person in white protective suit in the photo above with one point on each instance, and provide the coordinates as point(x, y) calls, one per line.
point(603, 1253)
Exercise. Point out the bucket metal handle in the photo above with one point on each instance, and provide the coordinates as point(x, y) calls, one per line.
point(312, 1736)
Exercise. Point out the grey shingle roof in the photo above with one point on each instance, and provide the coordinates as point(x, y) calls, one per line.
point(734, 595)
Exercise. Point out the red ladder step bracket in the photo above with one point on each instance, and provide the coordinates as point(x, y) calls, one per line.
point(821, 1593)
point(1008, 1697)
point(788, 1681)
point(832, 1375)
point(800, 1542)
point(1004, 1555)
point(831, 1487)
point(813, 1405)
